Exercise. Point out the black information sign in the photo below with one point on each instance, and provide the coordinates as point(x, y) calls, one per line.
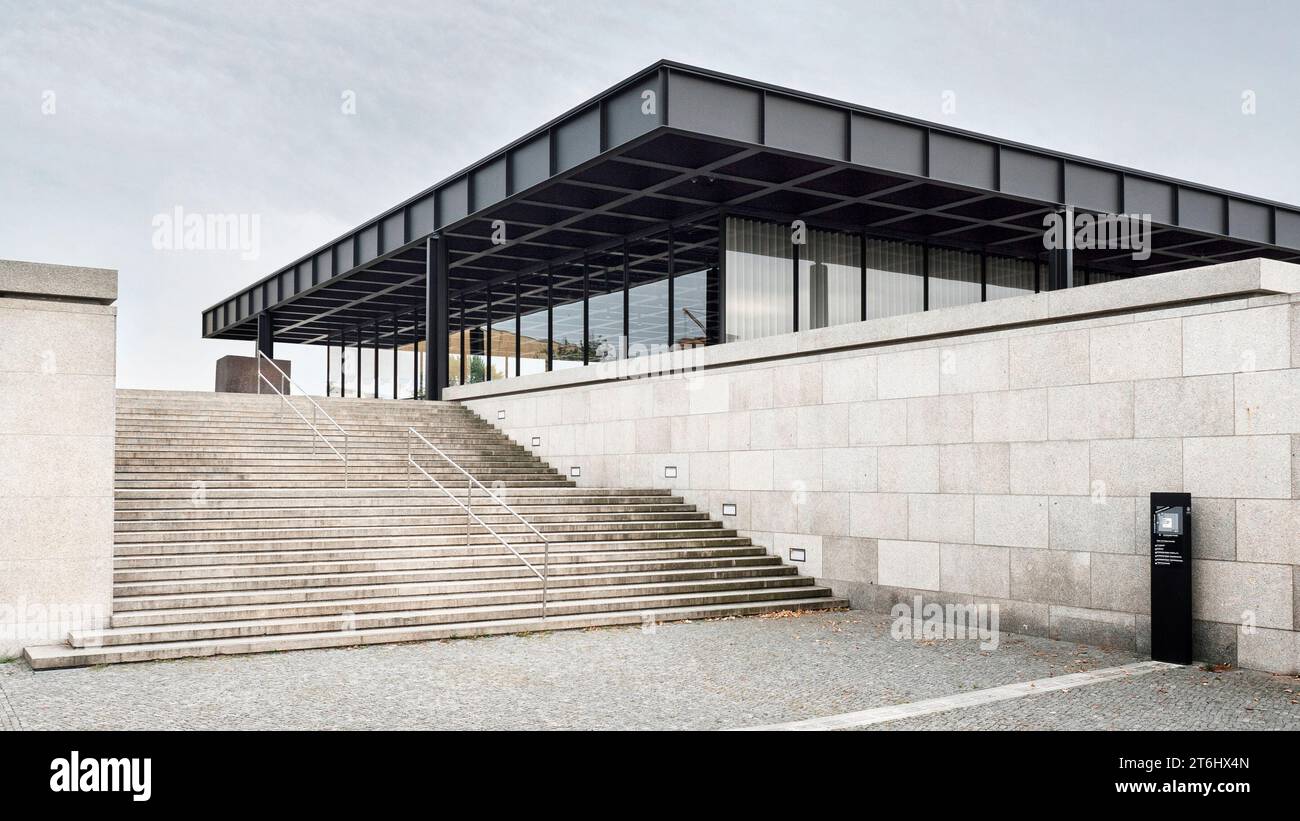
point(1171, 577)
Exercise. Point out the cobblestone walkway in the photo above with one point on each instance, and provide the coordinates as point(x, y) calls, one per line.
point(702, 675)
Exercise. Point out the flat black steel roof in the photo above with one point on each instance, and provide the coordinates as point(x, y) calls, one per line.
point(678, 143)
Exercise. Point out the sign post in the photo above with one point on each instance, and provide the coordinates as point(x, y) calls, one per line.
point(1171, 577)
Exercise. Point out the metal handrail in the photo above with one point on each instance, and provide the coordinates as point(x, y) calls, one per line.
point(311, 423)
point(543, 574)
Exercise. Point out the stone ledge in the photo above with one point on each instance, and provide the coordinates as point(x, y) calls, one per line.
point(38, 280)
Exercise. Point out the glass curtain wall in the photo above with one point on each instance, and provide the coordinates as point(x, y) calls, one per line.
point(760, 283)
point(349, 369)
point(605, 306)
point(568, 331)
point(830, 279)
point(695, 285)
point(502, 319)
point(406, 356)
point(533, 324)
point(954, 278)
point(895, 278)
point(647, 296)
point(387, 360)
point(335, 387)
point(1008, 276)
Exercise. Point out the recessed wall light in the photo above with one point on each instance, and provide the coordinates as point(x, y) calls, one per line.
point(728, 510)
point(537, 440)
point(670, 471)
point(798, 554)
point(575, 471)
point(501, 414)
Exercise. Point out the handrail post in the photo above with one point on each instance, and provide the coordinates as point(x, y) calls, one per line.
point(408, 458)
point(469, 511)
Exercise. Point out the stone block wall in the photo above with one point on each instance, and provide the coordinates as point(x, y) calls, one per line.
point(1001, 454)
point(57, 372)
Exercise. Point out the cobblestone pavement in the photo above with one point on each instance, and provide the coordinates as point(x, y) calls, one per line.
point(700, 675)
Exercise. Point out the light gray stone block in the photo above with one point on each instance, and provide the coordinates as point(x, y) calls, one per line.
point(908, 564)
point(797, 470)
point(1136, 467)
point(823, 426)
point(1214, 528)
point(974, 367)
point(908, 373)
point(1121, 582)
point(1268, 402)
point(849, 559)
point(1274, 651)
point(975, 569)
point(710, 471)
point(1267, 530)
point(1237, 592)
point(908, 469)
point(1051, 576)
point(1238, 466)
point(1101, 411)
point(1097, 627)
point(878, 515)
point(975, 468)
point(1011, 521)
point(797, 384)
point(1213, 642)
point(775, 428)
point(1010, 416)
point(1136, 350)
point(751, 470)
point(852, 469)
point(1092, 524)
point(44, 280)
point(1049, 467)
point(938, 419)
point(1045, 359)
point(878, 423)
point(1186, 406)
point(940, 517)
point(1249, 340)
point(752, 390)
point(851, 379)
point(825, 514)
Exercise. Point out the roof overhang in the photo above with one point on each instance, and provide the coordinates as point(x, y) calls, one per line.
point(676, 144)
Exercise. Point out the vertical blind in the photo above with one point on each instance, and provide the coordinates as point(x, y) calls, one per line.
point(895, 278)
point(760, 287)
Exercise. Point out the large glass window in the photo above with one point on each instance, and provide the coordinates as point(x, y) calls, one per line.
point(647, 298)
point(349, 369)
point(405, 357)
point(1009, 277)
point(695, 286)
point(387, 384)
point(533, 335)
point(335, 387)
point(566, 289)
point(760, 286)
point(830, 280)
point(954, 277)
point(503, 332)
point(605, 307)
point(895, 278)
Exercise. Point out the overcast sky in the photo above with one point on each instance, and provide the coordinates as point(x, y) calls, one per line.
point(112, 113)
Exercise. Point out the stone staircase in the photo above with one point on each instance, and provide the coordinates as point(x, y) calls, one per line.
point(232, 537)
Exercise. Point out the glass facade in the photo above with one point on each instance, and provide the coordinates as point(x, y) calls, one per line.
point(830, 279)
point(760, 280)
point(568, 328)
point(694, 284)
point(1008, 276)
point(895, 278)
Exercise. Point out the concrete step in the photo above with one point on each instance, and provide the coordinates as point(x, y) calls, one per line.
point(449, 557)
point(394, 517)
point(255, 590)
point(457, 567)
point(434, 611)
point(630, 612)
